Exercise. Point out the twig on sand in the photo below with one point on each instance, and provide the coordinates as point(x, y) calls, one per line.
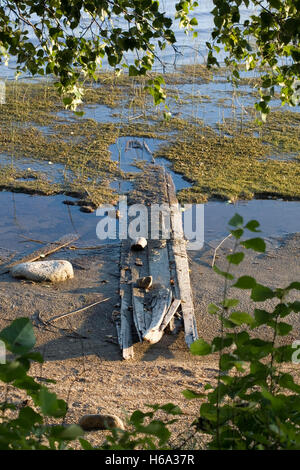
point(64, 315)
point(216, 249)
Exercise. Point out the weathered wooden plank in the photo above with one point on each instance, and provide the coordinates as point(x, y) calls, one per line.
point(41, 252)
point(170, 314)
point(159, 267)
point(174, 324)
point(161, 302)
point(116, 318)
point(139, 268)
point(178, 245)
point(126, 317)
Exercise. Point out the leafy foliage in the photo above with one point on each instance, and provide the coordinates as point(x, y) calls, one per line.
point(255, 405)
point(268, 39)
point(67, 38)
point(28, 430)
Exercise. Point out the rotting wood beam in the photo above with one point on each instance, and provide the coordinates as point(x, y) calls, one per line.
point(126, 317)
point(178, 246)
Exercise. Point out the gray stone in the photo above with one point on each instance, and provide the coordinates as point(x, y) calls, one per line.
point(54, 271)
point(100, 422)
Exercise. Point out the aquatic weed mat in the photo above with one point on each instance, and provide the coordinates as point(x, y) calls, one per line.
point(232, 160)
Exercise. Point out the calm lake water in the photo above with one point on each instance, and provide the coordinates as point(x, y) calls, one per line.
point(46, 218)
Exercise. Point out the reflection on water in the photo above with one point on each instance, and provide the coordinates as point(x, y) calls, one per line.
point(43, 218)
point(54, 171)
point(276, 217)
point(46, 219)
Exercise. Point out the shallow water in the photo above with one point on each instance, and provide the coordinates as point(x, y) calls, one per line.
point(54, 171)
point(142, 151)
point(46, 219)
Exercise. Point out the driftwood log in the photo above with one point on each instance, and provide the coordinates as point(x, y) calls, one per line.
point(149, 310)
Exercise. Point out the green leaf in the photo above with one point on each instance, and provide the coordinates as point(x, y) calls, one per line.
point(34, 356)
point(220, 343)
point(282, 310)
point(261, 293)
point(28, 417)
point(223, 273)
point(252, 225)
point(213, 309)
point(208, 411)
point(294, 306)
point(50, 404)
point(287, 381)
point(262, 317)
point(236, 221)
point(19, 336)
point(256, 244)
point(236, 258)
point(200, 348)
point(283, 353)
point(283, 329)
point(27, 383)
point(294, 285)
point(69, 433)
point(245, 282)
point(12, 371)
point(275, 4)
point(85, 444)
point(156, 428)
point(208, 387)
point(239, 318)
point(277, 403)
point(227, 323)
point(171, 409)
point(228, 303)
point(190, 394)
point(237, 233)
point(137, 417)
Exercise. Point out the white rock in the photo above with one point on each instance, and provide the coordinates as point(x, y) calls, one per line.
point(139, 244)
point(54, 271)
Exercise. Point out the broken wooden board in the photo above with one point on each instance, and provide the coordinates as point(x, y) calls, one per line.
point(170, 314)
point(40, 253)
point(126, 317)
point(139, 268)
point(159, 269)
point(162, 298)
point(178, 246)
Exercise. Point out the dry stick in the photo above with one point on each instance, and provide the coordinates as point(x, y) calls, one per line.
point(76, 311)
point(216, 249)
point(26, 239)
point(76, 247)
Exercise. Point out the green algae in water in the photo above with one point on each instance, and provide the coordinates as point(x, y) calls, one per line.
point(229, 163)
